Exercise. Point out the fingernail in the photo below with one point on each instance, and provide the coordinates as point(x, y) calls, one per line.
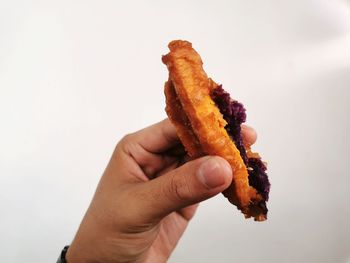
point(213, 172)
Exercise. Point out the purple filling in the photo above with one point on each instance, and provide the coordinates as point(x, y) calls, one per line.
point(258, 177)
point(234, 114)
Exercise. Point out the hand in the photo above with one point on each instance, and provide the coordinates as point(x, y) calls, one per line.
point(146, 198)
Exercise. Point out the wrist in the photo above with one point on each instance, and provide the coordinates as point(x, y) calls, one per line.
point(76, 255)
point(62, 257)
point(70, 257)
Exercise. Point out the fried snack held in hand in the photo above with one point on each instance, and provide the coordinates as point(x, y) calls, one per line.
point(208, 122)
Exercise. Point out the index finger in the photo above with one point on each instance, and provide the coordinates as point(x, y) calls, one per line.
point(158, 137)
point(162, 136)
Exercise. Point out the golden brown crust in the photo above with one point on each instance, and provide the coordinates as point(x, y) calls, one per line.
point(197, 119)
point(182, 124)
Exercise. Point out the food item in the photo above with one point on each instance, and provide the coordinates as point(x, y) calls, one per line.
point(208, 122)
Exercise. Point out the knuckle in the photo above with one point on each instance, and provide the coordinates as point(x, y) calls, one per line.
point(125, 141)
point(127, 138)
point(179, 188)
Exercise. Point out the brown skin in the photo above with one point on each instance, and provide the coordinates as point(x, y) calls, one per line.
point(146, 198)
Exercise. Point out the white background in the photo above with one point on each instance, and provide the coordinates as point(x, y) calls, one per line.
point(75, 76)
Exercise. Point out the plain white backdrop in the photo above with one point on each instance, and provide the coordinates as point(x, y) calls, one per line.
point(75, 76)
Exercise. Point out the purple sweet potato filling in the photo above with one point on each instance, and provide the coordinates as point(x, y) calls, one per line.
point(234, 114)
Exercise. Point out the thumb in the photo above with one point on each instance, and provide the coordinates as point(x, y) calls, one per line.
point(191, 183)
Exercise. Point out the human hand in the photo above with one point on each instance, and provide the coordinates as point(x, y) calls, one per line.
point(146, 198)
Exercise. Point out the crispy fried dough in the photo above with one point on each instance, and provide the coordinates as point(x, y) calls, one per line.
point(182, 124)
point(200, 125)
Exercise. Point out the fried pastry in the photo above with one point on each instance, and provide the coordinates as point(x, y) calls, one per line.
point(208, 122)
